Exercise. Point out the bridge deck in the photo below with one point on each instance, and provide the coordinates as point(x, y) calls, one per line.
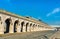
point(29, 35)
point(56, 35)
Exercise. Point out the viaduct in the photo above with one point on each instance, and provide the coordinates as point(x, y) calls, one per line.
point(11, 23)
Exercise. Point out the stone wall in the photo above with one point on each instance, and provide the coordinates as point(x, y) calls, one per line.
point(11, 23)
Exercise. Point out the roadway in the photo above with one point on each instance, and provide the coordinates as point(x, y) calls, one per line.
point(56, 35)
point(29, 35)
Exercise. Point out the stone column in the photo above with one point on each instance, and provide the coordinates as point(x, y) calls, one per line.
point(11, 29)
point(18, 28)
point(39, 28)
point(32, 27)
point(1, 27)
point(35, 28)
point(28, 28)
point(24, 27)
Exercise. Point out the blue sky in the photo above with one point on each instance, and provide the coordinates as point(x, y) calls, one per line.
point(46, 10)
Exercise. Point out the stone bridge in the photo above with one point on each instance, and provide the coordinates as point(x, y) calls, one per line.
point(11, 23)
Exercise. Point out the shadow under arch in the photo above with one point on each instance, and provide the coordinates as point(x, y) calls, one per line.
point(30, 26)
point(0, 20)
point(7, 21)
point(33, 26)
point(15, 25)
point(22, 23)
point(26, 26)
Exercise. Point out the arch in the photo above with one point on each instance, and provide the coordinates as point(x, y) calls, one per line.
point(26, 26)
point(7, 21)
point(15, 25)
point(22, 23)
point(33, 25)
point(38, 26)
point(30, 24)
point(0, 18)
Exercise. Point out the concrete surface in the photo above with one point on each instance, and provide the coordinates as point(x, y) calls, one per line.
point(29, 35)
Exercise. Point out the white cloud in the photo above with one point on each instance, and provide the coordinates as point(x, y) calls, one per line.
point(55, 25)
point(53, 12)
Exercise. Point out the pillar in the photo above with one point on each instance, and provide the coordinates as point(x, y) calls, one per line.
point(32, 28)
point(24, 27)
point(18, 28)
point(11, 29)
point(35, 28)
point(28, 28)
point(1, 27)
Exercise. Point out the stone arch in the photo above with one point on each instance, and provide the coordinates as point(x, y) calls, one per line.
point(22, 24)
point(7, 22)
point(27, 26)
point(0, 18)
point(38, 26)
point(15, 25)
point(30, 26)
point(33, 26)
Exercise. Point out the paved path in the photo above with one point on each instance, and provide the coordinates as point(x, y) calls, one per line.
point(30, 35)
point(56, 35)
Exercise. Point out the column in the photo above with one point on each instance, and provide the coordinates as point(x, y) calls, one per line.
point(24, 27)
point(1, 27)
point(18, 28)
point(35, 28)
point(11, 29)
point(28, 28)
point(32, 28)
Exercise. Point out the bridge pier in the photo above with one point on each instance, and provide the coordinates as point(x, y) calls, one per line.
point(18, 28)
point(11, 29)
point(1, 28)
